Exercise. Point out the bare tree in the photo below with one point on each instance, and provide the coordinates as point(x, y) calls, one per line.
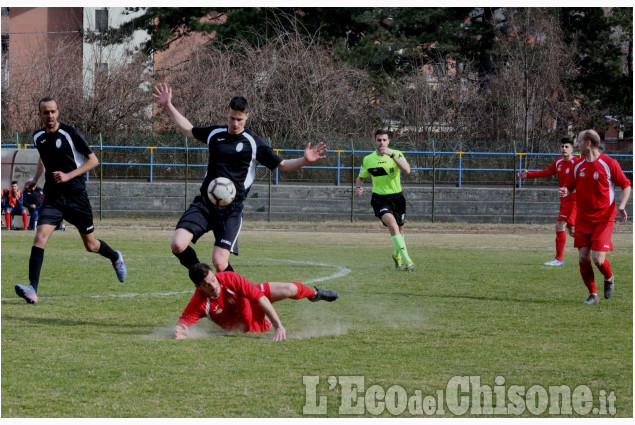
point(111, 100)
point(296, 90)
point(527, 94)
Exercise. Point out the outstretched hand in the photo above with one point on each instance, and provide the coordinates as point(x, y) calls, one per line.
point(163, 94)
point(316, 153)
point(280, 334)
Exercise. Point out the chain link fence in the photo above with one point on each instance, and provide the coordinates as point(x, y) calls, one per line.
point(169, 157)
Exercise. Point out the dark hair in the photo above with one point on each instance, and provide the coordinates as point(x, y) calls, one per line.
point(382, 132)
point(238, 103)
point(198, 272)
point(568, 140)
point(44, 100)
point(14, 182)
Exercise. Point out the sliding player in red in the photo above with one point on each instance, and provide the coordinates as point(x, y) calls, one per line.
point(563, 167)
point(594, 180)
point(236, 304)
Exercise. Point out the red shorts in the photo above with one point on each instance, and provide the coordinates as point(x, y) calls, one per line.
point(259, 321)
point(568, 211)
point(596, 236)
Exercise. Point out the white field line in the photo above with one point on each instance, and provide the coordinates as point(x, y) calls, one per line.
point(341, 271)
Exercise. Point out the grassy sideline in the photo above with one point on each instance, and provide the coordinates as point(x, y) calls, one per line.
point(479, 304)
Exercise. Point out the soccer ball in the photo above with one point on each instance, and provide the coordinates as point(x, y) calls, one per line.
point(221, 191)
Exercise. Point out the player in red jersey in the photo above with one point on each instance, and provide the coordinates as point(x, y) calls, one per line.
point(563, 167)
point(236, 304)
point(594, 180)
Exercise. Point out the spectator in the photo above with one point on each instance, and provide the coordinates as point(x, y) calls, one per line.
point(33, 197)
point(2, 198)
point(14, 205)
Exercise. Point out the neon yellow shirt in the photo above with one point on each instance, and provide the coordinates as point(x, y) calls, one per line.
point(385, 174)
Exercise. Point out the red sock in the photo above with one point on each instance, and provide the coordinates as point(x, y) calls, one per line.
point(605, 269)
point(25, 219)
point(561, 241)
point(586, 270)
point(303, 291)
point(7, 218)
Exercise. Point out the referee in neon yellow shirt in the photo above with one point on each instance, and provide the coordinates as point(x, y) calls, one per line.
point(384, 166)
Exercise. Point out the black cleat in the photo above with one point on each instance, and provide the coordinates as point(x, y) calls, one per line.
point(324, 295)
point(609, 287)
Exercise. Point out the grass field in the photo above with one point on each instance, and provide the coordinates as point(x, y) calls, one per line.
point(479, 304)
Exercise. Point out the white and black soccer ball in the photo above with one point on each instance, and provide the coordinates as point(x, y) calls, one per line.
point(221, 191)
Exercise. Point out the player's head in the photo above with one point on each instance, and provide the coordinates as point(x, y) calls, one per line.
point(382, 138)
point(205, 280)
point(14, 185)
point(238, 115)
point(382, 132)
point(588, 139)
point(199, 271)
point(566, 146)
point(48, 113)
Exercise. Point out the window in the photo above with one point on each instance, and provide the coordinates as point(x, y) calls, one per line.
point(101, 20)
point(5, 11)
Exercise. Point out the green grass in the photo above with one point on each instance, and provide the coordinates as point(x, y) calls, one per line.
point(479, 304)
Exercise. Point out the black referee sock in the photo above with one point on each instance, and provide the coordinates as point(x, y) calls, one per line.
point(35, 266)
point(106, 251)
point(229, 268)
point(187, 258)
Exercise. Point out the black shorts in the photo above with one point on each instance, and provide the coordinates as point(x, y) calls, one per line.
point(202, 217)
point(72, 207)
point(394, 204)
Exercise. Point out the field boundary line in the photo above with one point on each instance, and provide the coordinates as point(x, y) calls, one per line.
point(341, 271)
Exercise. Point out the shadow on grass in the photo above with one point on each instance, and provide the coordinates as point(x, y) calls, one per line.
point(49, 321)
point(545, 300)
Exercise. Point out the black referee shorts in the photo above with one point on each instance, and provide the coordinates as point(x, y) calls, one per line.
point(226, 222)
point(72, 207)
point(394, 204)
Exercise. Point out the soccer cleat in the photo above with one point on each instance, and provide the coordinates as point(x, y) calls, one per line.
point(410, 267)
point(397, 261)
point(593, 299)
point(324, 295)
point(26, 292)
point(120, 268)
point(609, 287)
point(554, 262)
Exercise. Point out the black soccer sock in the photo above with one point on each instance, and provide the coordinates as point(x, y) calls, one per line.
point(188, 257)
point(229, 268)
point(35, 266)
point(106, 251)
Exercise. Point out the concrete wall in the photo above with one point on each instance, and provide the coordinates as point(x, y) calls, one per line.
point(299, 202)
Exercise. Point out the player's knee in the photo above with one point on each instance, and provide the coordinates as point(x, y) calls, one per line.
point(220, 264)
point(178, 246)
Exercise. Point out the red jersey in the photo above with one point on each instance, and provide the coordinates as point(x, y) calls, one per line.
point(595, 183)
point(233, 309)
point(564, 170)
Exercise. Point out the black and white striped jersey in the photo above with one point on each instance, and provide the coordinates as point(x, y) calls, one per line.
point(63, 150)
point(234, 156)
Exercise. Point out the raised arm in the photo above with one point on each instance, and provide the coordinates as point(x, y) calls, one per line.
point(163, 94)
point(310, 156)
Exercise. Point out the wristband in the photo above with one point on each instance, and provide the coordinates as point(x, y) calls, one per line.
point(392, 155)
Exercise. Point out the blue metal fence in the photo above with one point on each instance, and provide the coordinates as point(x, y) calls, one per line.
point(345, 163)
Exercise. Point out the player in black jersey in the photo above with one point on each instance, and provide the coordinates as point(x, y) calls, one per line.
point(65, 158)
point(233, 152)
